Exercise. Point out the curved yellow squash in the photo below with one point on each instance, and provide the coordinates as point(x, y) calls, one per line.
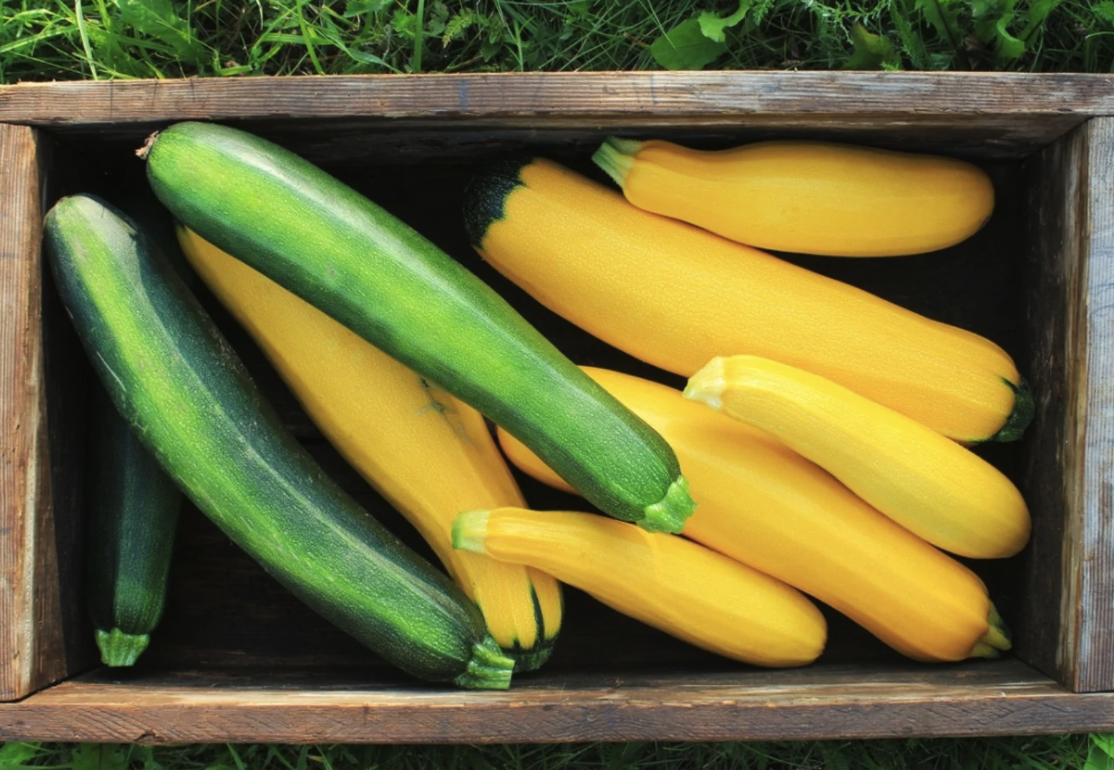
point(930, 485)
point(672, 584)
point(809, 197)
point(676, 296)
point(766, 506)
point(429, 454)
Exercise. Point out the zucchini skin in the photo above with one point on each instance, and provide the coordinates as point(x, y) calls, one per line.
point(133, 517)
point(180, 385)
point(337, 250)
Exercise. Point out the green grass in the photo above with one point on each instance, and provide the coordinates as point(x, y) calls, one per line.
point(99, 39)
point(985, 754)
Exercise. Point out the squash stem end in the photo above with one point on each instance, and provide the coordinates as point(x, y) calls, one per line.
point(708, 384)
point(489, 668)
point(119, 648)
point(670, 513)
point(616, 157)
point(1023, 411)
point(469, 531)
point(998, 635)
point(533, 659)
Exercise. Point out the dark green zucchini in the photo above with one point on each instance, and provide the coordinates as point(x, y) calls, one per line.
point(178, 383)
point(337, 250)
point(133, 514)
point(133, 505)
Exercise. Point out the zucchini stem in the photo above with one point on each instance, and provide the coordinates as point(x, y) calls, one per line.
point(489, 668)
point(616, 157)
point(470, 530)
point(119, 648)
point(670, 513)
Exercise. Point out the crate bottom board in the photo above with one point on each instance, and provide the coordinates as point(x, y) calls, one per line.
point(981, 698)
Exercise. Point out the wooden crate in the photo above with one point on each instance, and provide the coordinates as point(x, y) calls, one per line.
point(237, 659)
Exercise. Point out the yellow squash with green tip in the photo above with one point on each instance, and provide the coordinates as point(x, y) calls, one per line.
point(429, 454)
point(676, 296)
point(766, 506)
point(929, 484)
point(670, 583)
point(822, 198)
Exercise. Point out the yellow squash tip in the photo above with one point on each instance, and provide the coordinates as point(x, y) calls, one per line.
point(672, 511)
point(1022, 414)
point(469, 531)
point(984, 650)
point(708, 384)
point(998, 635)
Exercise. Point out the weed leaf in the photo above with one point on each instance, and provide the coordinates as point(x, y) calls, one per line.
point(714, 28)
point(99, 756)
point(910, 39)
point(360, 7)
point(1104, 742)
point(13, 755)
point(1098, 759)
point(943, 15)
point(871, 51)
point(158, 19)
point(1009, 47)
point(1104, 11)
point(685, 47)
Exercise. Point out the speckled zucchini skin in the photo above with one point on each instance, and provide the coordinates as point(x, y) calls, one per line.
point(132, 518)
point(180, 385)
point(337, 250)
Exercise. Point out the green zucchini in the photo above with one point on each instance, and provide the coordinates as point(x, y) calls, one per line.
point(133, 505)
point(133, 514)
point(339, 251)
point(180, 385)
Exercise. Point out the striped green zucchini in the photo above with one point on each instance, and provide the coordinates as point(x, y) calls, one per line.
point(337, 250)
point(133, 514)
point(179, 384)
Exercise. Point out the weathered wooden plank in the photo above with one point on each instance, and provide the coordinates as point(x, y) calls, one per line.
point(1034, 108)
point(30, 642)
point(989, 698)
point(1069, 606)
point(1090, 654)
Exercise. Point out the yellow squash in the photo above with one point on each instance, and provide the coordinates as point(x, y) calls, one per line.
point(674, 585)
point(766, 506)
point(810, 197)
point(429, 454)
point(676, 296)
point(930, 485)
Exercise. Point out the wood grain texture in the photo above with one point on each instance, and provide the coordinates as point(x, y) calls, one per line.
point(988, 698)
point(30, 642)
point(1069, 606)
point(1016, 113)
point(1089, 654)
